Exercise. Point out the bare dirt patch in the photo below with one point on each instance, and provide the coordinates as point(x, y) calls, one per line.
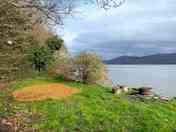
point(42, 92)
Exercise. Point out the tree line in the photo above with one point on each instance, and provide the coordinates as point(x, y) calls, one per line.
point(17, 40)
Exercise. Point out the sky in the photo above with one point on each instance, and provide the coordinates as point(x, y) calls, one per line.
point(139, 27)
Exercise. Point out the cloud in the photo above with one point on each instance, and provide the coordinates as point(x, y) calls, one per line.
point(140, 27)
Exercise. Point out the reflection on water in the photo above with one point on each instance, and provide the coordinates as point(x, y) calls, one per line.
point(161, 77)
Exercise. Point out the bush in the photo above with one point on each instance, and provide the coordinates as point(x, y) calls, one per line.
point(64, 68)
point(55, 43)
point(86, 67)
point(89, 67)
point(40, 58)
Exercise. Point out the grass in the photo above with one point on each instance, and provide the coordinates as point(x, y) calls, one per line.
point(95, 109)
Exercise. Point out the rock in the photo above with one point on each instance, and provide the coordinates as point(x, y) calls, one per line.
point(124, 88)
point(116, 90)
point(3, 121)
point(164, 98)
point(9, 42)
point(146, 91)
point(5, 126)
point(156, 97)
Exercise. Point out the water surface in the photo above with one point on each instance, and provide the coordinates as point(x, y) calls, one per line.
point(161, 77)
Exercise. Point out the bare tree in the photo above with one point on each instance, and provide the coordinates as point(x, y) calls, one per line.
point(45, 11)
point(107, 4)
point(53, 11)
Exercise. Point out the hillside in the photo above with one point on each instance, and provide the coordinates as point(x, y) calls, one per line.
point(94, 109)
point(151, 59)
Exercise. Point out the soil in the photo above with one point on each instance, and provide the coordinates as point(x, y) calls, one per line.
point(42, 92)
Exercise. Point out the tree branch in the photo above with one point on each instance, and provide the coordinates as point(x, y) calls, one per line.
point(53, 11)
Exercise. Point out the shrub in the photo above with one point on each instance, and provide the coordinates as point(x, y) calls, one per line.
point(65, 68)
point(86, 67)
point(55, 43)
point(40, 58)
point(89, 67)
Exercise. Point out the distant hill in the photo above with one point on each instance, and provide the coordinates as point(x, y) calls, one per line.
point(150, 59)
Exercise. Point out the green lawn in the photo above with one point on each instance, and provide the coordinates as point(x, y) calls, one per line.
point(95, 109)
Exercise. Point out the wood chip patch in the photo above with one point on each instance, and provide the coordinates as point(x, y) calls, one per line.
point(42, 92)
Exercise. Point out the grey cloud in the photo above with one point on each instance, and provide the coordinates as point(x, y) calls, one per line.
point(139, 27)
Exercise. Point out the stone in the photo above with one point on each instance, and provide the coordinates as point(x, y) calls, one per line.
point(156, 97)
point(116, 90)
point(146, 91)
point(124, 88)
point(164, 98)
point(10, 42)
point(5, 126)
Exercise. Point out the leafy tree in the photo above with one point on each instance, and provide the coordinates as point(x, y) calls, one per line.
point(86, 67)
point(40, 57)
point(89, 67)
point(55, 43)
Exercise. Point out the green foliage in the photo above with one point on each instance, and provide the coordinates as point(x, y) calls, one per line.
point(96, 109)
point(89, 67)
point(54, 43)
point(40, 58)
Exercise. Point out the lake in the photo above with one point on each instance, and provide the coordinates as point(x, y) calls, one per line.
point(162, 78)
